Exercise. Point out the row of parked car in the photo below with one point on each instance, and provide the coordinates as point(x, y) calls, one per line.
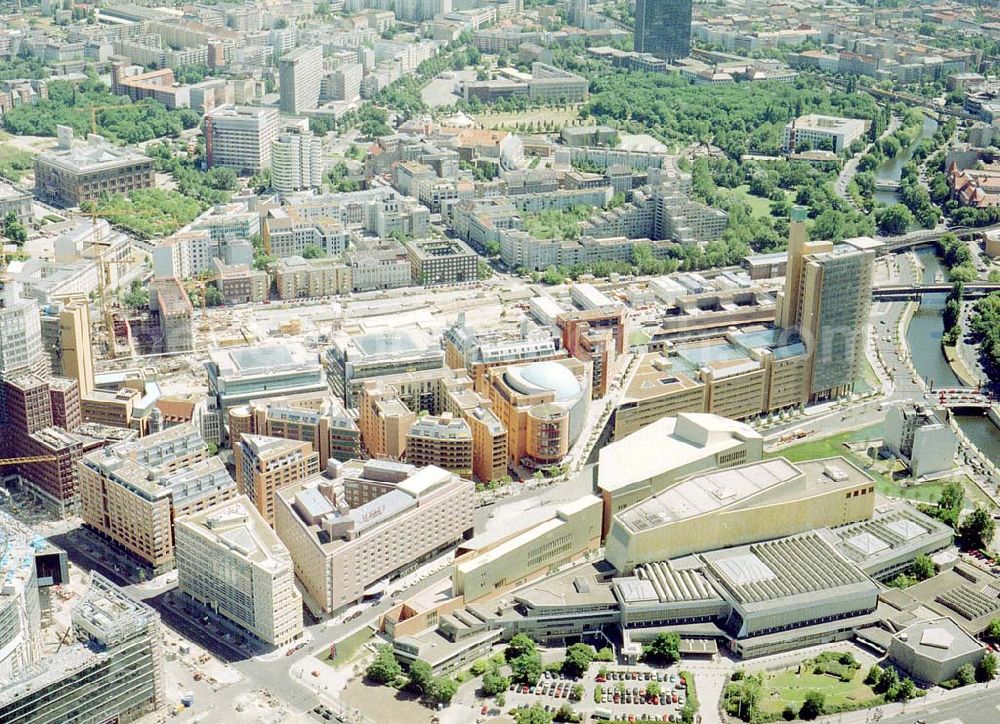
point(636, 675)
point(557, 688)
point(638, 695)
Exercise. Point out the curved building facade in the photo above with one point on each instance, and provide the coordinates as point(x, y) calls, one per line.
point(544, 407)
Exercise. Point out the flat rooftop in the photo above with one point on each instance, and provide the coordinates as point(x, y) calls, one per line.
point(262, 360)
point(237, 526)
point(97, 155)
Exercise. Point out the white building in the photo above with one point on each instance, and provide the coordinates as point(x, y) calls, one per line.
point(296, 162)
point(916, 436)
point(240, 137)
point(814, 131)
point(231, 561)
point(299, 74)
point(20, 333)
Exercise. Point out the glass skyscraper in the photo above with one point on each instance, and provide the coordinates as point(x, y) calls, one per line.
point(663, 28)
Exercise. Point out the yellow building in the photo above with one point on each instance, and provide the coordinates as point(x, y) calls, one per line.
point(490, 566)
point(737, 506)
point(442, 440)
point(658, 388)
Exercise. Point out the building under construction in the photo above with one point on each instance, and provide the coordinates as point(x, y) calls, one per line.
point(109, 667)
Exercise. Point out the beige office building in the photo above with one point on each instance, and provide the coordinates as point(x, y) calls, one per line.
point(230, 560)
point(131, 492)
point(364, 522)
point(267, 464)
point(488, 566)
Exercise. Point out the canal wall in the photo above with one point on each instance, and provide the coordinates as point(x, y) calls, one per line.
point(958, 366)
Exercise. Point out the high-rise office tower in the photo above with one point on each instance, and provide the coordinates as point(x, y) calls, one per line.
point(240, 137)
point(663, 28)
point(299, 74)
point(76, 353)
point(827, 298)
point(296, 162)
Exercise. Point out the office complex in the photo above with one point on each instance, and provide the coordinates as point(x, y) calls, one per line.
point(352, 360)
point(390, 407)
point(131, 492)
point(241, 374)
point(20, 613)
point(111, 669)
point(299, 278)
point(241, 137)
point(300, 73)
point(232, 562)
point(363, 522)
point(444, 441)
point(67, 176)
point(264, 465)
point(663, 28)
point(317, 418)
point(667, 451)
point(442, 261)
point(826, 299)
point(296, 162)
point(20, 333)
point(826, 133)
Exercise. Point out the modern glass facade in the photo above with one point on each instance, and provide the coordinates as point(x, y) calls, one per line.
point(663, 28)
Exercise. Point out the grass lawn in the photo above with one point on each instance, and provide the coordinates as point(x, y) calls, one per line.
point(834, 445)
point(789, 688)
point(347, 647)
point(758, 206)
point(638, 337)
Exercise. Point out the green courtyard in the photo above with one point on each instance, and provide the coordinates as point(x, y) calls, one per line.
point(789, 688)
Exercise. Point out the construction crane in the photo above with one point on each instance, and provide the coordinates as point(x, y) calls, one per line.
point(202, 285)
point(104, 282)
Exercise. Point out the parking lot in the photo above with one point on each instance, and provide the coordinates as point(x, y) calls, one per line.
point(629, 693)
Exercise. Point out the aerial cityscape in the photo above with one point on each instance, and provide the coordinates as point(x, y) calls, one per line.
point(499, 361)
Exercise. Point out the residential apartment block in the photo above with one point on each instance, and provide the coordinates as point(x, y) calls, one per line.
point(241, 137)
point(131, 492)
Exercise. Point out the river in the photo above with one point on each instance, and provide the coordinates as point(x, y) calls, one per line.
point(924, 339)
point(892, 168)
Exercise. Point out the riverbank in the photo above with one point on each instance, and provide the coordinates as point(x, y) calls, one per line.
point(958, 366)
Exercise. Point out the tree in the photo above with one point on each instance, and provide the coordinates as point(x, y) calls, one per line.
point(663, 650)
point(534, 714)
point(137, 297)
point(384, 668)
point(812, 707)
point(895, 220)
point(421, 677)
point(992, 632)
point(13, 229)
point(566, 714)
point(312, 251)
point(578, 658)
point(986, 669)
point(520, 644)
point(442, 690)
point(213, 297)
point(526, 668)
point(977, 528)
point(653, 689)
point(966, 675)
point(906, 690)
point(922, 567)
point(494, 682)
